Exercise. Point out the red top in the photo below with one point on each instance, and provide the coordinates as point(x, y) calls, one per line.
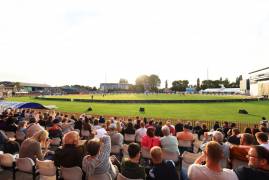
point(149, 142)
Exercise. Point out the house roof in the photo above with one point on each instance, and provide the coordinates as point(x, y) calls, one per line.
point(258, 70)
point(34, 85)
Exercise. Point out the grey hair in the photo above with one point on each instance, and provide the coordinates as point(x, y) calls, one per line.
point(218, 136)
point(166, 130)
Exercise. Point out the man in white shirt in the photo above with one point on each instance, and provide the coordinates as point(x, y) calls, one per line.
point(212, 170)
point(169, 143)
point(139, 133)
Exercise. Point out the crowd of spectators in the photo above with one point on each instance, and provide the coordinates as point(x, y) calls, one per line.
point(89, 143)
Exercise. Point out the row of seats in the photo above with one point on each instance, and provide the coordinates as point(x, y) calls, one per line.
point(46, 169)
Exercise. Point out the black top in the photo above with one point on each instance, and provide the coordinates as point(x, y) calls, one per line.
point(132, 170)
point(234, 140)
point(69, 156)
point(197, 130)
point(56, 133)
point(179, 127)
point(129, 130)
point(163, 171)
point(247, 173)
point(78, 125)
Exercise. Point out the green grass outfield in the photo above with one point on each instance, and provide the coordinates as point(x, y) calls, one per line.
point(187, 111)
point(149, 97)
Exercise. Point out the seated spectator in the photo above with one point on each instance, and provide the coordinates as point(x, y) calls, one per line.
point(212, 170)
point(130, 167)
point(2, 124)
point(70, 154)
point(67, 125)
point(129, 129)
point(41, 120)
point(233, 125)
point(150, 139)
point(240, 152)
point(118, 126)
point(32, 147)
point(255, 129)
point(263, 128)
point(49, 122)
point(96, 124)
point(204, 129)
point(21, 131)
point(218, 137)
point(225, 129)
point(78, 124)
point(150, 124)
point(137, 123)
point(247, 130)
point(158, 130)
point(169, 143)
point(11, 147)
point(264, 121)
point(179, 127)
point(185, 135)
point(197, 129)
point(108, 123)
point(22, 127)
point(100, 132)
point(216, 126)
point(234, 138)
point(101, 120)
point(11, 124)
point(115, 136)
point(86, 131)
point(141, 132)
point(262, 139)
point(3, 140)
point(258, 162)
point(161, 169)
point(171, 128)
point(55, 131)
point(33, 127)
point(98, 161)
point(189, 123)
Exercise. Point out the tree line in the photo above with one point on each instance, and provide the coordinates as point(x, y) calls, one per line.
point(152, 83)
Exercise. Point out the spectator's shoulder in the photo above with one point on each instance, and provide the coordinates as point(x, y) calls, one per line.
point(170, 163)
point(195, 166)
point(242, 172)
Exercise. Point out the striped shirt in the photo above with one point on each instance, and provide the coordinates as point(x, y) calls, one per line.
point(101, 163)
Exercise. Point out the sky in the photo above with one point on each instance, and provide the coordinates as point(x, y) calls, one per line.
point(89, 42)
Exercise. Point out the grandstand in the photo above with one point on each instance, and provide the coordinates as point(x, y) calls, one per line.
point(259, 82)
point(45, 144)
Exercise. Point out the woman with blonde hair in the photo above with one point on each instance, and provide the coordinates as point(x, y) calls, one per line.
point(32, 147)
point(71, 153)
point(118, 126)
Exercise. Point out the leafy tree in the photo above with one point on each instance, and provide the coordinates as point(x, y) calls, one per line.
point(226, 83)
point(237, 81)
point(141, 83)
point(154, 82)
point(179, 85)
point(210, 84)
point(123, 81)
point(198, 84)
point(149, 83)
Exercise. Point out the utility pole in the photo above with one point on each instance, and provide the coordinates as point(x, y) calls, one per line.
point(207, 76)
